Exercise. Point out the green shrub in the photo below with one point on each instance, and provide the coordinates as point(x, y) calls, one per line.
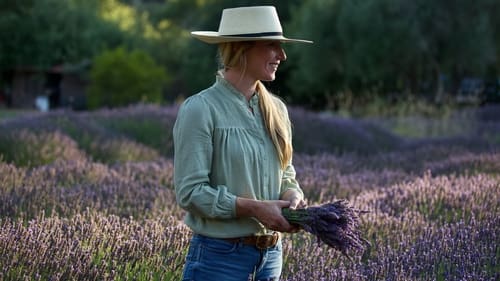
point(120, 78)
point(30, 148)
point(121, 150)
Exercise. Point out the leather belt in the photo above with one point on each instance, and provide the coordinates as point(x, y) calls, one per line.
point(261, 242)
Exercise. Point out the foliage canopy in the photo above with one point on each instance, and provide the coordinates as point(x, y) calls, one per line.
point(392, 49)
point(366, 47)
point(121, 78)
point(44, 33)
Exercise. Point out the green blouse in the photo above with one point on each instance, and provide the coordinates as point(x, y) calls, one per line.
point(222, 151)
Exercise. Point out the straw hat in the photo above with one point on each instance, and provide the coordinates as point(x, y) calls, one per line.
point(246, 24)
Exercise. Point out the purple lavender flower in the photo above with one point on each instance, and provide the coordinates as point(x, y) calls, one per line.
point(336, 224)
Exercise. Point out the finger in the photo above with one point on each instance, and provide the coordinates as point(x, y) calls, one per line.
point(301, 204)
point(296, 203)
point(284, 204)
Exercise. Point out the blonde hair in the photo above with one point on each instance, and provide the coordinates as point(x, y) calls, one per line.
point(278, 125)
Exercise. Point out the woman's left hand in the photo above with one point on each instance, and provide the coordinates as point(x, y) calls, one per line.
point(296, 202)
point(295, 199)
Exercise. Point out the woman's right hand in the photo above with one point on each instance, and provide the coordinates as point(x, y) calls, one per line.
point(267, 212)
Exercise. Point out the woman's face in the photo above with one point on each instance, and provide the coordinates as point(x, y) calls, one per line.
point(263, 59)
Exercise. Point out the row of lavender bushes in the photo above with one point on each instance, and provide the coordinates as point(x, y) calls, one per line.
point(143, 133)
point(89, 196)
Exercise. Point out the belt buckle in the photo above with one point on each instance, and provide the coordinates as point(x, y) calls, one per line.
point(264, 242)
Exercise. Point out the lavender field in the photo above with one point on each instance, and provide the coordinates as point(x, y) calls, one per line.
point(89, 196)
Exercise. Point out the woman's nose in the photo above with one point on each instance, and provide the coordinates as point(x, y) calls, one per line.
point(282, 54)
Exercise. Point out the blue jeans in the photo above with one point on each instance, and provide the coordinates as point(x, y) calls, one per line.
point(217, 259)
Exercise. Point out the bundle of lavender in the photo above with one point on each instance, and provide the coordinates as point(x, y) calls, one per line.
point(336, 224)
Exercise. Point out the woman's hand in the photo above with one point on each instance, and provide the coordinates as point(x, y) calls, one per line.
point(295, 199)
point(296, 202)
point(267, 212)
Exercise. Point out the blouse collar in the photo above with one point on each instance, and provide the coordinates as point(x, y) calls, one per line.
point(239, 95)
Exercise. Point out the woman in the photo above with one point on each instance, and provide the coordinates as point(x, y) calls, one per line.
point(233, 150)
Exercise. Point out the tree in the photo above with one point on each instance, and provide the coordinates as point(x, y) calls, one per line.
point(120, 78)
point(42, 33)
point(459, 39)
point(315, 70)
point(390, 46)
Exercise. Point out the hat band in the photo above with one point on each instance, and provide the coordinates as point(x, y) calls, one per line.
point(261, 34)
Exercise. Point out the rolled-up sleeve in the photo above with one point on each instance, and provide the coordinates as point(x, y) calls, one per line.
point(193, 147)
point(288, 181)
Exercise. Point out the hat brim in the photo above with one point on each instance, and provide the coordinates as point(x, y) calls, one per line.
point(212, 37)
